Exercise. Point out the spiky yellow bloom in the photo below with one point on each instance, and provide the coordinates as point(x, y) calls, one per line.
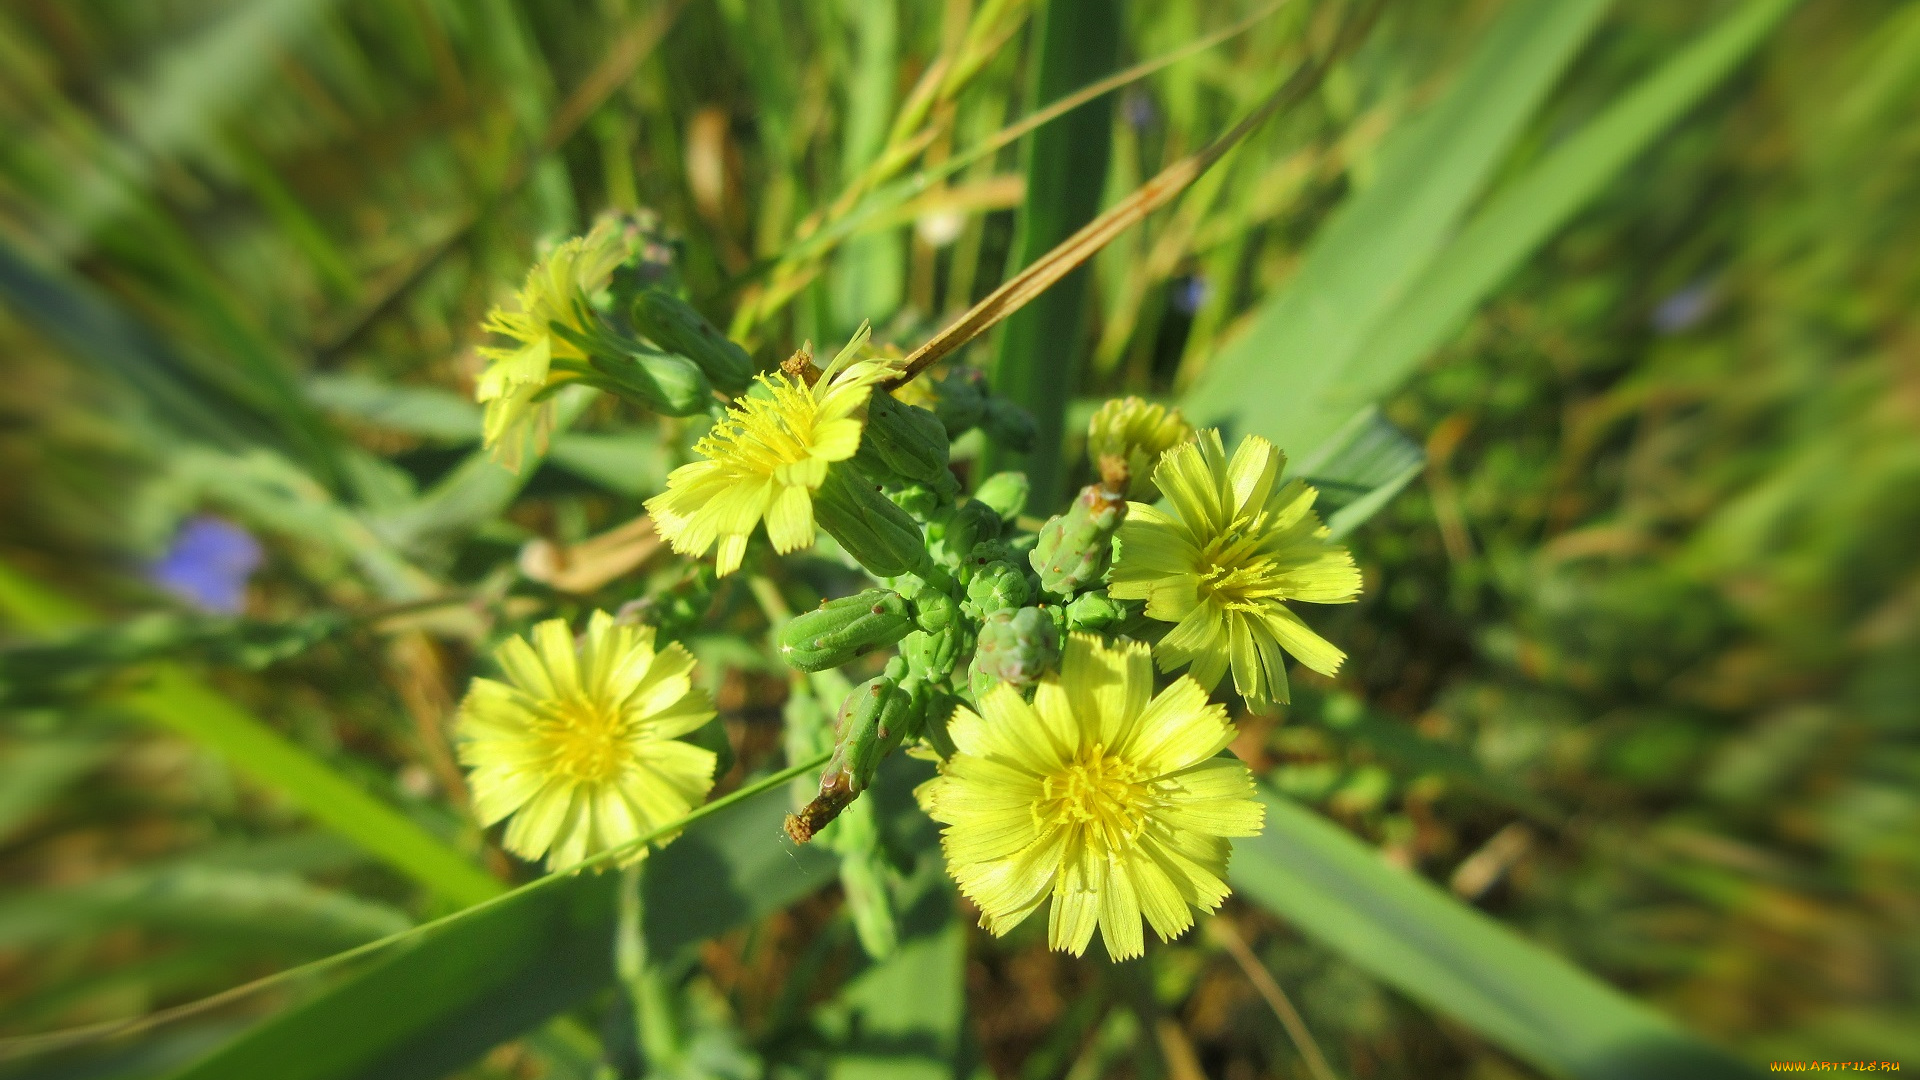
point(1241, 545)
point(765, 459)
point(1100, 796)
point(1137, 433)
point(559, 289)
point(581, 744)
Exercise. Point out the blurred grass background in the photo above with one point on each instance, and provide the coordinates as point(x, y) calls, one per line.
point(1659, 579)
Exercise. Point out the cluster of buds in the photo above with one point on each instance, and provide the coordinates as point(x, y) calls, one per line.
point(970, 598)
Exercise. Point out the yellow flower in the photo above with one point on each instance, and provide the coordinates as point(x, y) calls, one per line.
point(765, 459)
point(1241, 545)
point(559, 289)
point(581, 744)
point(1137, 433)
point(1099, 795)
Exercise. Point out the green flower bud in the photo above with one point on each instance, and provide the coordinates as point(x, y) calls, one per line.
point(969, 524)
point(1075, 547)
point(673, 324)
point(1009, 426)
point(1098, 612)
point(933, 610)
point(661, 382)
point(960, 401)
point(910, 440)
point(997, 586)
point(919, 501)
point(842, 630)
point(1132, 433)
point(1015, 647)
point(931, 655)
point(1005, 493)
point(875, 718)
point(879, 535)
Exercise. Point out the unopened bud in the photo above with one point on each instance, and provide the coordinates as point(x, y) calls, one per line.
point(997, 586)
point(879, 535)
point(673, 324)
point(1005, 493)
point(1132, 434)
point(910, 440)
point(842, 630)
point(1096, 611)
point(1075, 547)
point(1008, 425)
point(960, 401)
point(1015, 647)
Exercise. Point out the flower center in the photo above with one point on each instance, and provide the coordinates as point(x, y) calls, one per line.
point(586, 740)
point(769, 432)
point(1105, 796)
point(1232, 569)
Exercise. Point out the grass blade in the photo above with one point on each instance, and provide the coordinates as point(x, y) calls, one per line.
point(1077, 42)
point(1270, 380)
point(1527, 213)
point(1457, 961)
point(459, 988)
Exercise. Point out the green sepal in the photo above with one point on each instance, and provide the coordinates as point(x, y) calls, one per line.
point(960, 401)
point(673, 324)
point(840, 631)
point(968, 525)
point(1009, 426)
point(879, 535)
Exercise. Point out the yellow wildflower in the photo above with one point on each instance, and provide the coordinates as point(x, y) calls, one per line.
point(1100, 796)
point(559, 289)
point(1241, 544)
point(1136, 432)
point(581, 744)
point(765, 459)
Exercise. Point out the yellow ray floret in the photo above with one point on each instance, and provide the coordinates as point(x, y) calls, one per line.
point(559, 289)
point(580, 745)
point(1238, 545)
point(1100, 796)
point(764, 460)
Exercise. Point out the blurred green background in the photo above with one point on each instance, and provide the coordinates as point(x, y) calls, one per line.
point(1636, 672)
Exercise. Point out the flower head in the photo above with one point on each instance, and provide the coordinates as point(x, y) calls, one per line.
point(559, 289)
point(1241, 543)
point(1133, 431)
point(580, 744)
point(1100, 796)
point(765, 459)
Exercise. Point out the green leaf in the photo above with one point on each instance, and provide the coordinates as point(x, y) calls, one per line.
point(477, 491)
point(447, 995)
point(222, 904)
point(176, 700)
point(429, 412)
point(1456, 960)
point(34, 772)
point(1359, 469)
point(1526, 213)
point(902, 1017)
point(1273, 379)
point(1350, 719)
point(1077, 42)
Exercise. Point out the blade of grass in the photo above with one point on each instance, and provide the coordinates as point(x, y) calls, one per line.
point(1076, 42)
point(1380, 240)
point(176, 700)
point(1525, 214)
point(1456, 961)
point(1019, 290)
point(745, 860)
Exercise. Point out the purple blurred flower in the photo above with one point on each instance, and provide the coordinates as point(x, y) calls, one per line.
point(1139, 110)
point(1190, 294)
point(1685, 309)
point(209, 564)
